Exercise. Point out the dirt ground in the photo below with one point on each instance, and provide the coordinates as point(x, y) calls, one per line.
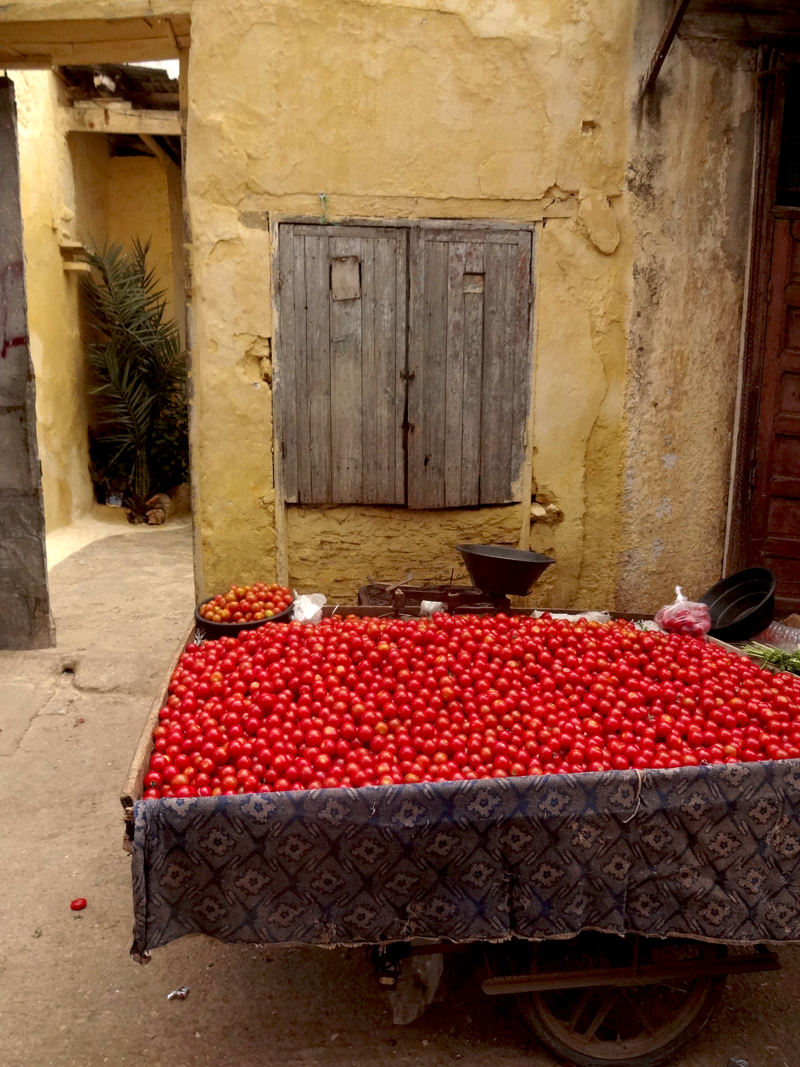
point(69, 994)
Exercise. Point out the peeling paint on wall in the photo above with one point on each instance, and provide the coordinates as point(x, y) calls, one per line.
point(334, 549)
point(600, 222)
point(476, 109)
point(689, 198)
point(458, 109)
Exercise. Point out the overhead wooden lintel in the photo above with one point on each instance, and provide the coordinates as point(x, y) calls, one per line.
point(94, 118)
point(50, 42)
point(667, 37)
point(11, 60)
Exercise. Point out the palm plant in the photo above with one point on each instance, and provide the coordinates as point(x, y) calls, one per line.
point(139, 370)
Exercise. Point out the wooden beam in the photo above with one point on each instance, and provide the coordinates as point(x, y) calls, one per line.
point(9, 62)
point(60, 32)
point(156, 149)
point(69, 250)
point(91, 117)
point(172, 34)
point(756, 21)
point(650, 974)
point(51, 42)
point(34, 58)
point(160, 101)
point(667, 37)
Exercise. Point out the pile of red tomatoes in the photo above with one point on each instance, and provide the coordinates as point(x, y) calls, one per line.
point(364, 701)
point(246, 603)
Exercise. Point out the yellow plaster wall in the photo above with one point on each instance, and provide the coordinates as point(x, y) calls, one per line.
point(48, 210)
point(468, 109)
point(460, 109)
point(577, 425)
point(476, 109)
point(689, 205)
point(90, 161)
point(118, 198)
point(72, 191)
point(335, 548)
point(137, 205)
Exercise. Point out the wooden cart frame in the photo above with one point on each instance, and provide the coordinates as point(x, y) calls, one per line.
point(567, 1000)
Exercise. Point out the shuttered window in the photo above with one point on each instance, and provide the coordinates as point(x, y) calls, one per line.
point(341, 351)
point(470, 361)
point(403, 363)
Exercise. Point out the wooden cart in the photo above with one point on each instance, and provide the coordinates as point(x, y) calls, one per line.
point(596, 1000)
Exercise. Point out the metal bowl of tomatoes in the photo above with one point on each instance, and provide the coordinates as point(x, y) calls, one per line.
point(244, 607)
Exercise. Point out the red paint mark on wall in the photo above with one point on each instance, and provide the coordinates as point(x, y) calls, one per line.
point(9, 273)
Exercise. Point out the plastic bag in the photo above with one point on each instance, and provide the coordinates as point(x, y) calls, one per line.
point(684, 616)
point(308, 608)
point(590, 616)
point(430, 607)
point(416, 987)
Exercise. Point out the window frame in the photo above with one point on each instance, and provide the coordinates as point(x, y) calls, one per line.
point(274, 222)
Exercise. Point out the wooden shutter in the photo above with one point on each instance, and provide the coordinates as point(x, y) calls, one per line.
point(341, 360)
point(469, 365)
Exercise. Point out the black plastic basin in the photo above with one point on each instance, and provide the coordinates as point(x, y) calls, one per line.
point(741, 605)
point(499, 569)
point(211, 629)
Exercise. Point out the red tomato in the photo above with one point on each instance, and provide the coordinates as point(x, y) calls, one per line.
point(355, 702)
point(243, 603)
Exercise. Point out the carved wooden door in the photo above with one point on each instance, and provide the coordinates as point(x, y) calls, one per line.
point(775, 523)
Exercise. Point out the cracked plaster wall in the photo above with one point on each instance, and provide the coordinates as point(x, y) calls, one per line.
point(689, 199)
point(461, 109)
point(479, 109)
point(335, 548)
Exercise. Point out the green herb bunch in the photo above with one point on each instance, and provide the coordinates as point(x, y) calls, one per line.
point(768, 656)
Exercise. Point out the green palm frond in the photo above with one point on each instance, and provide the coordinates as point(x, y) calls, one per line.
point(138, 366)
point(126, 305)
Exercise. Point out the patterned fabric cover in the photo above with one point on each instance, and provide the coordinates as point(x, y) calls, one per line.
point(709, 852)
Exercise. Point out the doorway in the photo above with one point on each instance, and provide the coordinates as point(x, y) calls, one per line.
point(102, 141)
point(765, 528)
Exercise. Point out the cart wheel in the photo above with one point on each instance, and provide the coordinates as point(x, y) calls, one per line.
point(634, 1026)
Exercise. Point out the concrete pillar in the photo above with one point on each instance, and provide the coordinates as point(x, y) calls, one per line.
point(25, 620)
